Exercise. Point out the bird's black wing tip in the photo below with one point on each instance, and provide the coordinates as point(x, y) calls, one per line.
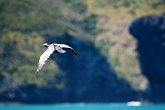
point(77, 54)
point(74, 52)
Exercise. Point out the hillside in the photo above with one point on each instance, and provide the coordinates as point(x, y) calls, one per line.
point(114, 19)
point(98, 30)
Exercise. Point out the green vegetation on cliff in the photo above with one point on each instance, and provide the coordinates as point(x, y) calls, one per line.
point(25, 24)
point(114, 18)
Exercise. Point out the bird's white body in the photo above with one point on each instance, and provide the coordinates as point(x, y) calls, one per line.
point(50, 49)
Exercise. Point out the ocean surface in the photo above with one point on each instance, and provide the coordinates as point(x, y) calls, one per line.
point(82, 106)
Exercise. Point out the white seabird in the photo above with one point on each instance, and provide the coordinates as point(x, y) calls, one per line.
point(54, 47)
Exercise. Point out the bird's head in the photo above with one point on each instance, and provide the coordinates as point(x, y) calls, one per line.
point(45, 45)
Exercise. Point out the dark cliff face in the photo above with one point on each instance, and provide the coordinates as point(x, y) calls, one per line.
point(150, 34)
point(88, 78)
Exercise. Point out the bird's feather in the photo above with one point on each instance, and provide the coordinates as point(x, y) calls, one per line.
point(74, 52)
point(59, 49)
point(44, 57)
point(51, 48)
point(66, 46)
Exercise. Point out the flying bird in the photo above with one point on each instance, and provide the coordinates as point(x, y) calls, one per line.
point(54, 47)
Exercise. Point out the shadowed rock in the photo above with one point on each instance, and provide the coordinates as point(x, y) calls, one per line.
point(150, 34)
point(88, 78)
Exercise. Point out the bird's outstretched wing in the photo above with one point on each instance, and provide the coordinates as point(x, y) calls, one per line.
point(44, 57)
point(66, 46)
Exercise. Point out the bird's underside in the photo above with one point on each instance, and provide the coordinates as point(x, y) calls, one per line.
point(57, 48)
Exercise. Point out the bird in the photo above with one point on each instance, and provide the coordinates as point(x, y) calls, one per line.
point(53, 47)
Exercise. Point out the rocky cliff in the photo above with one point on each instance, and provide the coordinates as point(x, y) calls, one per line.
point(107, 69)
point(149, 32)
point(88, 78)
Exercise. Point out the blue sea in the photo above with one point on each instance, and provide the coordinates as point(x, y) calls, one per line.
point(82, 106)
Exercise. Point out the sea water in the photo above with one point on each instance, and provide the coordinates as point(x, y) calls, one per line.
point(82, 106)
